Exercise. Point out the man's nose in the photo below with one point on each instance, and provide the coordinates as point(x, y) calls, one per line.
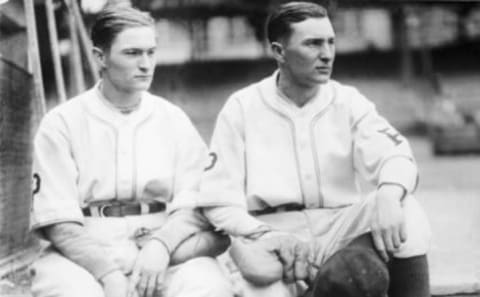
point(145, 61)
point(326, 53)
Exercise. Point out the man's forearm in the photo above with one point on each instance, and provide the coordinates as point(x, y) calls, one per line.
point(181, 225)
point(235, 221)
point(201, 244)
point(74, 242)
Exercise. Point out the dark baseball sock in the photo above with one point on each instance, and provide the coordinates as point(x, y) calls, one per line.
point(409, 277)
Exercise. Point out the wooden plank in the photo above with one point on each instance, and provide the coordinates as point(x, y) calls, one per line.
point(19, 260)
point(57, 63)
point(77, 79)
point(16, 122)
point(84, 39)
point(34, 65)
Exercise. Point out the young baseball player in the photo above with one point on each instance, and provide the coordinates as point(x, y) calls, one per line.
point(107, 165)
point(288, 153)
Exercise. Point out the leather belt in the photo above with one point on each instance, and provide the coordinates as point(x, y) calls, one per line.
point(278, 208)
point(121, 209)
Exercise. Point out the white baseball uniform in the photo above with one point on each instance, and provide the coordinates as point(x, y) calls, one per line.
point(269, 152)
point(86, 151)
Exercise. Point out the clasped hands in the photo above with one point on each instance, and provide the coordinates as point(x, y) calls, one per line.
point(148, 274)
point(275, 256)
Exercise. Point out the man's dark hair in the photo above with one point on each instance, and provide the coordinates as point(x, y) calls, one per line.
point(279, 21)
point(114, 19)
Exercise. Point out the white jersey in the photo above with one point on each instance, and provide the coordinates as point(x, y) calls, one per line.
point(87, 151)
point(268, 152)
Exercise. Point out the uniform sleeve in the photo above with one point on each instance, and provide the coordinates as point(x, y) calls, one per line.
point(179, 226)
point(381, 154)
point(75, 243)
point(191, 158)
point(223, 194)
point(223, 182)
point(55, 195)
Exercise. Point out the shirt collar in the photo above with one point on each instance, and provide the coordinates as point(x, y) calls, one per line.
point(275, 98)
point(103, 109)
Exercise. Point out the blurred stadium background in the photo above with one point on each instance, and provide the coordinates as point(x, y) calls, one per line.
point(419, 61)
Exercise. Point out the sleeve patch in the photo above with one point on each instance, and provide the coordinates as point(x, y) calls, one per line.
point(393, 135)
point(213, 161)
point(36, 182)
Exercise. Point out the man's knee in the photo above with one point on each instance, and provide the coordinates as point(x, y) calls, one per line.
point(277, 289)
point(356, 270)
point(55, 276)
point(199, 277)
point(418, 230)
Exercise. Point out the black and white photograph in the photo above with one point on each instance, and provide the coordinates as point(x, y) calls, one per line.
point(239, 148)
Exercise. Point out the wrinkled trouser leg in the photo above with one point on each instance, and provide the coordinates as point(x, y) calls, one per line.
point(336, 228)
point(356, 219)
point(199, 277)
point(56, 276)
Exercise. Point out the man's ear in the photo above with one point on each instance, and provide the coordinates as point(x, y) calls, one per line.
point(278, 51)
point(99, 55)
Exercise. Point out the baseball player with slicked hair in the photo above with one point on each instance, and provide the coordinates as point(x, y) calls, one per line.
point(108, 164)
point(287, 155)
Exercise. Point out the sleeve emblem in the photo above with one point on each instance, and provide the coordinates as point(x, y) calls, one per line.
point(36, 182)
point(213, 157)
point(393, 135)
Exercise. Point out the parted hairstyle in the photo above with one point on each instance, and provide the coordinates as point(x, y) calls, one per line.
point(114, 19)
point(278, 22)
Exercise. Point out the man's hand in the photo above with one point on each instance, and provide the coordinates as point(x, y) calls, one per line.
point(115, 284)
point(149, 271)
point(388, 224)
point(257, 261)
point(272, 257)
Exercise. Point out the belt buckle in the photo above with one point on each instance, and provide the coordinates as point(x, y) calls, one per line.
point(101, 210)
point(142, 232)
point(141, 236)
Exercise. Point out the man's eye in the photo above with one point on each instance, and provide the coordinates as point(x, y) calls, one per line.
point(314, 43)
point(131, 53)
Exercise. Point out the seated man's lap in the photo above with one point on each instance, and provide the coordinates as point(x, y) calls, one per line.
point(355, 220)
point(198, 277)
point(55, 275)
point(337, 228)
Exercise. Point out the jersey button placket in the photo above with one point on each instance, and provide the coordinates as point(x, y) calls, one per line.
point(307, 170)
point(124, 164)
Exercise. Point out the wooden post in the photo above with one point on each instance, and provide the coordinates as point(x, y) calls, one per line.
point(406, 66)
point(57, 63)
point(84, 39)
point(77, 79)
point(34, 66)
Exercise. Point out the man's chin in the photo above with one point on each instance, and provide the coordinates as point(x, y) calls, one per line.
point(142, 86)
point(322, 79)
